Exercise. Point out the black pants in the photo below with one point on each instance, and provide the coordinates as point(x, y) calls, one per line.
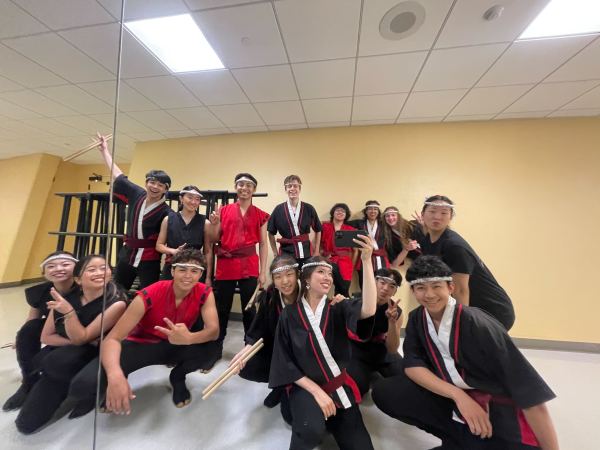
point(309, 425)
point(58, 367)
point(134, 356)
point(401, 398)
point(363, 366)
point(224, 291)
point(125, 273)
point(28, 345)
point(341, 286)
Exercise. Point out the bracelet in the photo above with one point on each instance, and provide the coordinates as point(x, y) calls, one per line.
point(72, 311)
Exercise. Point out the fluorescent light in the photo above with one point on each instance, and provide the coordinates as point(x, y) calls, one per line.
point(564, 18)
point(177, 42)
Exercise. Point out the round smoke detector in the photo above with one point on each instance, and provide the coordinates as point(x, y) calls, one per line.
point(402, 20)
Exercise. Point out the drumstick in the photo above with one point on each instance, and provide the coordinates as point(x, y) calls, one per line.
point(231, 374)
point(233, 367)
point(253, 299)
point(9, 345)
point(85, 149)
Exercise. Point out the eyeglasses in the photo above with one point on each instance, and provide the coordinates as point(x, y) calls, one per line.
point(292, 186)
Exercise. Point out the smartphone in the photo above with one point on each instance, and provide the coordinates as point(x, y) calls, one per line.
point(345, 238)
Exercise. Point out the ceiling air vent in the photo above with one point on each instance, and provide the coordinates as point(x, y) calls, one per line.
point(402, 20)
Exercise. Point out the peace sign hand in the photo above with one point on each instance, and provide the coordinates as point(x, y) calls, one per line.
point(177, 333)
point(58, 304)
point(215, 216)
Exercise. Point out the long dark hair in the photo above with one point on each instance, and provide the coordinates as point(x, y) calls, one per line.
point(113, 292)
point(371, 202)
point(189, 187)
point(279, 261)
point(305, 274)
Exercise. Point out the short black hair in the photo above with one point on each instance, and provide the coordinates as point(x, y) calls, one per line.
point(438, 198)
point(245, 175)
point(390, 273)
point(427, 266)
point(159, 175)
point(187, 255)
point(344, 207)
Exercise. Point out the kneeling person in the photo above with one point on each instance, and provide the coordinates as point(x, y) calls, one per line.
point(169, 322)
point(465, 380)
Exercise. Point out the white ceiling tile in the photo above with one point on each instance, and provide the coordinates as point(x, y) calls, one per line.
point(129, 125)
point(583, 66)
point(466, 25)
point(325, 78)
point(551, 96)
point(24, 129)
point(57, 55)
point(18, 68)
point(77, 99)
point(345, 123)
point(420, 119)
point(212, 131)
point(387, 73)
point(8, 85)
point(107, 119)
point(590, 99)
point(267, 84)
point(289, 126)
point(203, 4)
point(361, 123)
point(129, 98)
point(249, 129)
point(371, 41)
point(144, 137)
point(58, 14)
point(85, 124)
point(157, 120)
point(178, 134)
point(523, 115)
point(530, 61)
point(137, 61)
point(53, 126)
point(15, 22)
point(489, 100)
point(214, 87)
point(38, 103)
point(377, 107)
point(468, 118)
point(431, 104)
point(196, 118)
point(14, 111)
point(327, 110)
point(143, 9)
point(280, 113)
point(167, 91)
point(457, 67)
point(237, 115)
point(243, 36)
point(100, 42)
point(576, 113)
point(317, 29)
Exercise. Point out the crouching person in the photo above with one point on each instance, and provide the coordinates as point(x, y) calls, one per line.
point(465, 380)
point(171, 322)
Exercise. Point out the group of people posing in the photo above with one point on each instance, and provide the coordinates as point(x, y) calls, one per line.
point(461, 379)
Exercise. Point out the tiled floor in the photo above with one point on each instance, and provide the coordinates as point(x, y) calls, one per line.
point(234, 418)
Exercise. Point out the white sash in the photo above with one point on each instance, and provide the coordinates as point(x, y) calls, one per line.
point(295, 216)
point(373, 232)
point(140, 234)
point(315, 322)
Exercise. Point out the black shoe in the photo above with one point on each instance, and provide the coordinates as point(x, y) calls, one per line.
point(16, 400)
point(82, 408)
point(273, 399)
point(181, 395)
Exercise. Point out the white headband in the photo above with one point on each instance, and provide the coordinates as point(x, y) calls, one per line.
point(188, 265)
point(440, 203)
point(391, 211)
point(284, 268)
point(429, 280)
point(317, 263)
point(187, 191)
point(372, 205)
point(387, 279)
point(61, 256)
point(245, 179)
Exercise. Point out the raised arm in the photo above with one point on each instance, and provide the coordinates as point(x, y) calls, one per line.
point(108, 157)
point(369, 289)
point(392, 339)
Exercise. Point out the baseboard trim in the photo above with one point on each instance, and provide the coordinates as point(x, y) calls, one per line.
point(21, 283)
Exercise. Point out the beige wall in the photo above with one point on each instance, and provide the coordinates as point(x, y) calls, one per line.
point(524, 191)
